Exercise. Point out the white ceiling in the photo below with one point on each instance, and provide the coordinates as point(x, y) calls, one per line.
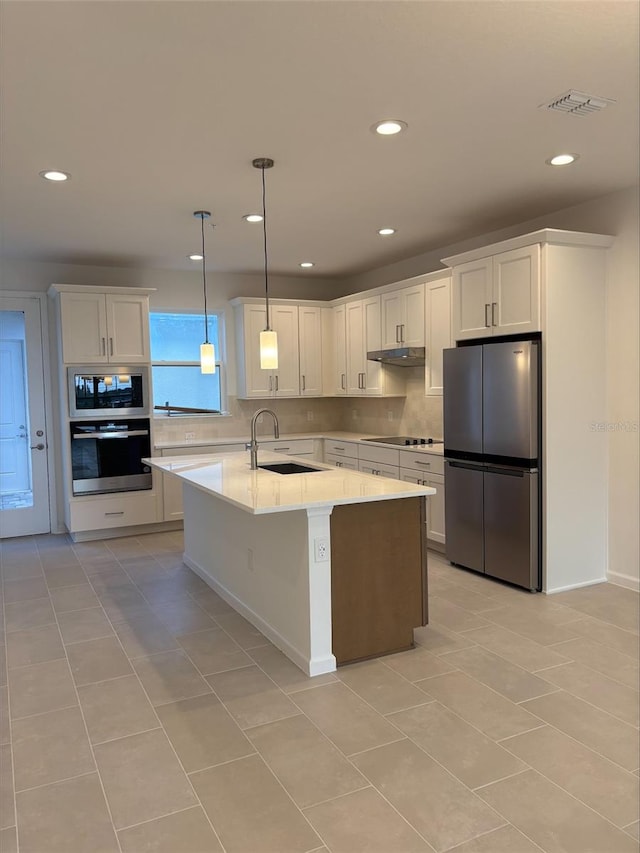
point(157, 109)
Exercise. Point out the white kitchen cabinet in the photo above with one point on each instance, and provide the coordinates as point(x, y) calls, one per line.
point(403, 317)
point(103, 512)
point(378, 469)
point(253, 381)
point(437, 332)
point(427, 469)
point(341, 461)
point(340, 347)
point(102, 328)
point(345, 452)
point(382, 461)
point(363, 334)
point(310, 345)
point(497, 295)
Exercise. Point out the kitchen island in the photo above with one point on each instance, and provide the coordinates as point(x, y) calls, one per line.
point(329, 564)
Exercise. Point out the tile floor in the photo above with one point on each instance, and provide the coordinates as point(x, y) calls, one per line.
point(140, 713)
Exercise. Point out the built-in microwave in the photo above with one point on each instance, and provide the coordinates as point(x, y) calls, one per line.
point(108, 390)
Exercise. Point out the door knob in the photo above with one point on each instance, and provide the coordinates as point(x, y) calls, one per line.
point(37, 447)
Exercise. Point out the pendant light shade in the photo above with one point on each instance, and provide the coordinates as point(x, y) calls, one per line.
point(268, 338)
point(207, 351)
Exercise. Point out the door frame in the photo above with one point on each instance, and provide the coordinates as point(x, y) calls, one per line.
point(48, 371)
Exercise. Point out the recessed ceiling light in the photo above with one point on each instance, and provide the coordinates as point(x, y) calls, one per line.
point(562, 159)
point(195, 257)
point(253, 217)
point(307, 264)
point(389, 127)
point(385, 232)
point(54, 175)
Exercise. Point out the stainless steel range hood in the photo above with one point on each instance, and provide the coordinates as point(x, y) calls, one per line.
point(402, 356)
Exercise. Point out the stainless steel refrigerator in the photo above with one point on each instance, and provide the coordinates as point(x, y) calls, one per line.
point(492, 459)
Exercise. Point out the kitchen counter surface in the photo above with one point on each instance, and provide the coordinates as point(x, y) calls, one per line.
point(228, 476)
point(437, 449)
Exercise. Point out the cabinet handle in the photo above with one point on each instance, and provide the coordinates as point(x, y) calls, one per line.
point(115, 513)
point(342, 381)
point(271, 383)
point(493, 313)
point(304, 384)
point(419, 462)
point(398, 339)
point(110, 346)
point(276, 383)
point(486, 315)
point(281, 449)
point(402, 332)
point(338, 464)
point(104, 346)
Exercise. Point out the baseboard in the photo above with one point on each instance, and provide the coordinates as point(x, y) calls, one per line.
point(627, 581)
point(574, 586)
point(311, 667)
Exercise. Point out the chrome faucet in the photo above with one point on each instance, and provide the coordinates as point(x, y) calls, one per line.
point(253, 444)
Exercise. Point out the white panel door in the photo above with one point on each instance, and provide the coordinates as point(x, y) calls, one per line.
point(84, 328)
point(24, 477)
point(413, 322)
point(472, 297)
point(310, 336)
point(128, 328)
point(284, 319)
point(355, 348)
point(437, 333)
point(515, 306)
point(392, 306)
point(340, 342)
point(372, 342)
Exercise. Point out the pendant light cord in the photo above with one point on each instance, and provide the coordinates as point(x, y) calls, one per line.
point(266, 266)
point(204, 283)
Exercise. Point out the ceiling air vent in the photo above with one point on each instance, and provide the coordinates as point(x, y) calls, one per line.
point(577, 103)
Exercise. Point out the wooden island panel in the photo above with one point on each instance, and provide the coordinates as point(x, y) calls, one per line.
point(378, 577)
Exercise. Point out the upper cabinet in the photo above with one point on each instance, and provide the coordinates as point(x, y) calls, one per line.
point(437, 330)
point(497, 295)
point(99, 326)
point(311, 350)
point(253, 381)
point(363, 334)
point(339, 343)
point(403, 317)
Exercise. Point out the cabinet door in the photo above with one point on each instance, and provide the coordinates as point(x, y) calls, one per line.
point(372, 341)
point(393, 317)
point(515, 305)
point(340, 344)
point(355, 347)
point(437, 333)
point(127, 328)
point(472, 297)
point(413, 329)
point(84, 328)
point(310, 335)
point(254, 382)
point(284, 319)
point(172, 498)
point(435, 508)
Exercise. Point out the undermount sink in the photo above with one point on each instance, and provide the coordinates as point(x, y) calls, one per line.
point(289, 468)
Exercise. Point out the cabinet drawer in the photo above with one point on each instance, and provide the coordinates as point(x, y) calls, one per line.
point(379, 469)
point(340, 448)
point(379, 455)
point(429, 463)
point(341, 461)
point(103, 512)
point(296, 447)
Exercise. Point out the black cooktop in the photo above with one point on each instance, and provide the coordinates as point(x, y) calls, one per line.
point(404, 440)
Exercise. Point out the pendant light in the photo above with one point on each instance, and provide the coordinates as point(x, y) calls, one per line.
point(268, 338)
point(207, 351)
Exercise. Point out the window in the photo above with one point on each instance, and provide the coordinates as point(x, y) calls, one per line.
point(175, 362)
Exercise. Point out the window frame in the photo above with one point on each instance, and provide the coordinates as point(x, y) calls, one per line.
point(220, 363)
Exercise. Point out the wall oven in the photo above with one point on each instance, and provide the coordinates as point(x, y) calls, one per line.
point(108, 391)
point(106, 456)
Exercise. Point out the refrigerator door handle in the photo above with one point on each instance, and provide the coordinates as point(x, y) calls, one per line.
point(469, 466)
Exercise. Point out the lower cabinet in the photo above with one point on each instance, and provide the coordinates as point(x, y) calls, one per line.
point(435, 508)
point(102, 512)
point(348, 462)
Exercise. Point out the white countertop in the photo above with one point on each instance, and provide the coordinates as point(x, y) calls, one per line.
point(229, 477)
point(437, 449)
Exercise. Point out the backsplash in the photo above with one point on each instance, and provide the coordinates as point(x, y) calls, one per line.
point(414, 414)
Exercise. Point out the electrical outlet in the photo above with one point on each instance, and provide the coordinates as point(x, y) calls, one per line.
point(389, 416)
point(309, 416)
point(321, 548)
point(189, 436)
